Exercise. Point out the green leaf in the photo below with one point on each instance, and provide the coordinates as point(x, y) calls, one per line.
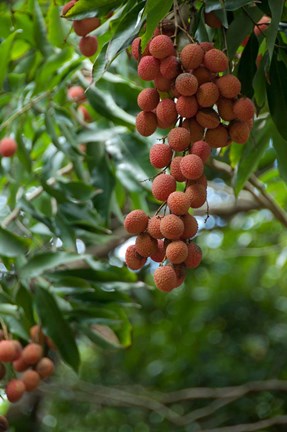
point(56, 32)
point(101, 335)
point(252, 151)
point(40, 32)
point(5, 55)
point(100, 65)
point(276, 7)
point(25, 300)
point(154, 12)
point(12, 245)
point(56, 327)
point(247, 66)
point(43, 262)
point(280, 145)
point(230, 5)
point(277, 95)
point(91, 8)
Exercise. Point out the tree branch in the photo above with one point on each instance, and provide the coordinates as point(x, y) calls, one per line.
point(250, 427)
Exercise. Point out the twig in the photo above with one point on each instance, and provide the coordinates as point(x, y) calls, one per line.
point(250, 427)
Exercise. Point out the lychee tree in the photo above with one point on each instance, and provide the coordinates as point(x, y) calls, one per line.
point(115, 108)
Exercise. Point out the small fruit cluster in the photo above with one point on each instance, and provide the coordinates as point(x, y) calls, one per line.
point(29, 360)
point(77, 94)
point(88, 44)
point(203, 110)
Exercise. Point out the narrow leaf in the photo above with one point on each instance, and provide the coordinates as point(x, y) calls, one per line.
point(12, 245)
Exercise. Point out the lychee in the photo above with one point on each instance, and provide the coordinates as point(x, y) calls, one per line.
point(31, 380)
point(201, 149)
point(186, 84)
point(162, 84)
point(136, 49)
point(8, 147)
point(202, 75)
point(191, 56)
point(136, 222)
point(36, 334)
point(194, 256)
point(162, 186)
point(148, 68)
point(8, 351)
point(180, 271)
point(146, 123)
point(215, 60)
point(207, 94)
point(86, 116)
point(171, 227)
point(67, 7)
point(212, 21)
point(229, 86)
point(85, 26)
point(178, 203)
point(160, 155)
point(145, 245)
point(244, 109)
point(177, 251)
point(239, 131)
point(148, 99)
point(190, 226)
point(179, 138)
point(191, 166)
point(166, 113)
point(175, 170)
point(225, 108)
point(217, 137)
point(197, 195)
point(262, 25)
point(170, 67)
point(206, 46)
point(76, 93)
point(195, 129)
point(134, 260)
point(32, 353)
point(165, 278)
point(45, 367)
point(187, 106)
point(15, 390)
point(161, 46)
point(153, 227)
point(207, 118)
point(19, 365)
point(88, 45)
point(159, 255)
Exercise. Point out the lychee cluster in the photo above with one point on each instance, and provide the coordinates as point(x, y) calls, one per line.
point(28, 364)
point(88, 45)
point(199, 101)
point(76, 94)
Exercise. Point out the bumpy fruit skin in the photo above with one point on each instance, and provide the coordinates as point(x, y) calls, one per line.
point(194, 256)
point(162, 186)
point(85, 26)
point(180, 271)
point(208, 118)
point(8, 351)
point(217, 137)
point(88, 45)
point(229, 86)
point(195, 129)
point(45, 367)
point(207, 94)
point(159, 255)
point(186, 84)
point(179, 203)
point(196, 194)
point(187, 106)
point(225, 108)
point(175, 170)
point(19, 365)
point(170, 67)
point(134, 260)
point(191, 56)
point(176, 252)
point(162, 84)
point(165, 278)
point(212, 21)
point(153, 227)
point(202, 75)
point(201, 149)
point(148, 68)
point(32, 353)
point(145, 245)
point(31, 380)
point(179, 138)
point(15, 390)
point(68, 6)
point(244, 109)
point(160, 155)
point(171, 227)
point(262, 25)
point(136, 222)
point(136, 45)
point(8, 147)
point(191, 166)
point(4, 425)
point(76, 93)
point(206, 46)
point(146, 123)
point(190, 226)
point(148, 99)
point(215, 60)
point(239, 131)
point(166, 113)
point(161, 46)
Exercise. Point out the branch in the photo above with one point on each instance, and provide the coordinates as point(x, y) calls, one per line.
point(250, 427)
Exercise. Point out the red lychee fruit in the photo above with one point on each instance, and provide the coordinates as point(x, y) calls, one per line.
point(67, 7)
point(162, 84)
point(136, 49)
point(212, 21)
point(148, 68)
point(15, 390)
point(146, 123)
point(163, 185)
point(148, 99)
point(196, 194)
point(8, 147)
point(32, 353)
point(166, 113)
point(171, 227)
point(170, 67)
point(239, 131)
point(160, 155)
point(190, 226)
point(133, 259)
point(208, 118)
point(45, 367)
point(85, 26)
point(195, 129)
point(229, 86)
point(207, 94)
point(159, 255)
point(76, 93)
point(153, 227)
point(187, 106)
point(161, 47)
point(8, 351)
point(186, 84)
point(86, 116)
point(194, 256)
point(179, 138)
point(165, 278)
point(262, 25)
point(202, 75)
point(215, 60)
point(191, 56)
point(175, 169)
point(178, 203)
point(19, 365)
point(191, 166)
point(244, 109)
point(136, 222)
point(31, 380)
point(201, 149)
point(177, 251)
point(36, 334)
point(88, 45)
point(225, 108)
point(217, 137)
point(145, 244)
